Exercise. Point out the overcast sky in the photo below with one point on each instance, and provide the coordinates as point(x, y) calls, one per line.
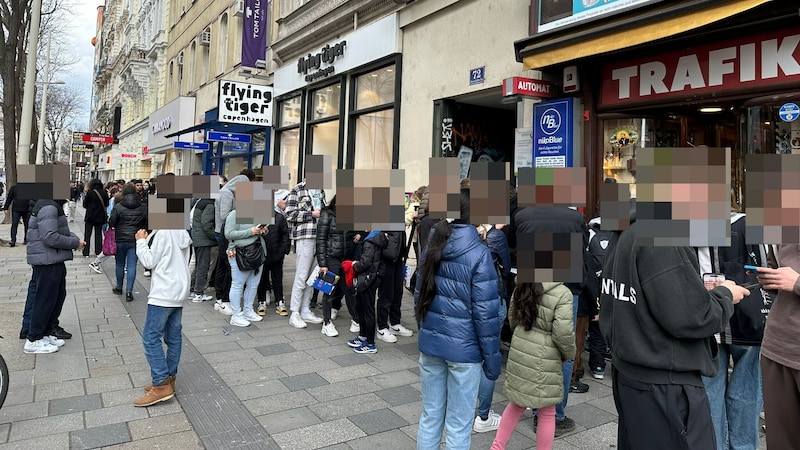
point(83, 30)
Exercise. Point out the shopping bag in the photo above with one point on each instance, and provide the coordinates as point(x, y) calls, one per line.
point(109, 242)
point(410, 277)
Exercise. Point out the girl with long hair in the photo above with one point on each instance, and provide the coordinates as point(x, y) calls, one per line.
point(458, 310)
point(541, 316)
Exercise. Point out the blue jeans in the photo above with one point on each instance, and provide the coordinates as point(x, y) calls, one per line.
point(486, 388)
point(162, 323)
point(736, 403)
point(566, 368)
point(239, 279)
point(449, 390)
point(126, 256)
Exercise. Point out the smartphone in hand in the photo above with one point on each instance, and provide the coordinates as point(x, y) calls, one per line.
point(712, 280)
point(751, 268)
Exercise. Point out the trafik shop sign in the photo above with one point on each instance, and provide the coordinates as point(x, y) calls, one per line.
point(769, 59)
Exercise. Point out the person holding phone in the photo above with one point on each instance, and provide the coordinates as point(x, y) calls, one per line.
point(780, 349)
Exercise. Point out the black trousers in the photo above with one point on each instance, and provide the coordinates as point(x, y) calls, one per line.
point(97, 228)
point(15, 216)
point(222, 276)
point(597, 346)
point(390, 295)
point(51, 291)
point(271, 280)
point(662, 416)
point(365, 305)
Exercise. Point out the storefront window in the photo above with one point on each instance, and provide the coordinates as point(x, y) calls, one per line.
point(374, 133)
point(325, 141)
point(623, 137)
point(290, 152)
point(325, 102)
point(290, 112)
point(375, 88)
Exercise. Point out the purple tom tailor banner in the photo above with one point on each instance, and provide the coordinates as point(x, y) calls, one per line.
point(254, 32)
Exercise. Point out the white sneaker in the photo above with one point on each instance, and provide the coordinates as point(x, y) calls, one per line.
point(385, 335)
point(401, 330)
point(330, 330)
point(224, 308)
point(492, 423)
point(95, 267)
point(146, 273)
point(54, 341)
point(197, 298)
point(262, 309)
point(310, 317)
point(334, 314)
point(239, 321)
point(296, 321)
point(355, 327)
point(252, 316)
point(40, 346)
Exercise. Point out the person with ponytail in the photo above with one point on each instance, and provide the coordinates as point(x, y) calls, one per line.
point(541, 316)
point(458, 310)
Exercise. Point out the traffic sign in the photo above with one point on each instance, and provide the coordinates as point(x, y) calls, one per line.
point(218, 136)
point(191, 145)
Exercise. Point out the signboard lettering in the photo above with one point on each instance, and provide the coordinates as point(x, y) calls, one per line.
point(254, 38)
point(528, 87)
point(326, 55)
point(553, 133)
point(741, 64)
point(162, 125)
point(245, 103)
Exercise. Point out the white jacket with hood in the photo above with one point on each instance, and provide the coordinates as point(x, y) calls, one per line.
point(226, 201)
point(168, 259)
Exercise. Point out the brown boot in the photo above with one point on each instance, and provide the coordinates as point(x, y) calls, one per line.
point(171, 379)
point(160, 393)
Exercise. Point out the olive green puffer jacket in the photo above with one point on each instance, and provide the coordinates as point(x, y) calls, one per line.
point(533, 370)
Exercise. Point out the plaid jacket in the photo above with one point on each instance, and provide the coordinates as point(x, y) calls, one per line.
point(298, 211)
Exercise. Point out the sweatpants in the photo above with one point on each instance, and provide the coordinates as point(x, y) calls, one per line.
point(301, 292)
point(781, 386)
point(662, 416)
point(365, 305)
point(51, 291)
point(597, 347)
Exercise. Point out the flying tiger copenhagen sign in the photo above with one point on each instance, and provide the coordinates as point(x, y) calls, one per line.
point(769, 59)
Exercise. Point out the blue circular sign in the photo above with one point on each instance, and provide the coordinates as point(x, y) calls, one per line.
point(550, 122)
point(789, 112)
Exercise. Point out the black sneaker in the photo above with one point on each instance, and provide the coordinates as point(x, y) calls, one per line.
point(576, 387)
point(61, 333)
point(564, 426)
point(23, 334)
point(12, 244)
point(129, 298)
point(116, 291)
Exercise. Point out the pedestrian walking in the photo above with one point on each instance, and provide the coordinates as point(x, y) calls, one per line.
point(95, 204)
point(128, 216)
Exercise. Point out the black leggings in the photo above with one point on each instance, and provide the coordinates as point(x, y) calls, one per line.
point(97, 228)
point(271, 280)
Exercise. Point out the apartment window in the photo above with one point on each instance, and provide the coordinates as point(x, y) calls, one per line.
point(222, 45)
point(373, 118)
point(287, 135)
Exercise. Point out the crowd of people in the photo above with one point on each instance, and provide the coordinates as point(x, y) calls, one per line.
point(685, 328)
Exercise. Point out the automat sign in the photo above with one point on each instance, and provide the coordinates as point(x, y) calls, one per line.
point(245, 103)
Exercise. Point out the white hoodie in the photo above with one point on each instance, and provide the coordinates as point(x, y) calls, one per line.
point(168, 259)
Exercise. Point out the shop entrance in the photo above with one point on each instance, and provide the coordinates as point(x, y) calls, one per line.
point(475, 127)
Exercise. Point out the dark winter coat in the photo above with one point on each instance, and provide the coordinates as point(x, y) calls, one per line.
point(203, 224)
point(49, 238)
point(277, 239)
point(17, 204)
point(463, 322)
point(395, 247)
point(96, 201)
point(332, 244)
point(370, 267)
point(128, 217)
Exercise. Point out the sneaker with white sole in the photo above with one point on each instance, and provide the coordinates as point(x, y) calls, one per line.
point(55, 341)
point(262, 309)
point(401, 330)
point(146, 273)
point(40, 346)
point(238, 320)
point(385, 335)
point(334, 313)
point(280, 308)
point(224, 308)
point(366, 348)
point(355, 327)
point(296, 321)
point(310, 317)
point(492, 423)
point(330, 330)
point(357, 341)
point(197, 298)
point(252, 316)
point(95, 267)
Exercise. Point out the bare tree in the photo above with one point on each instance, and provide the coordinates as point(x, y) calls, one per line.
point(63, 109)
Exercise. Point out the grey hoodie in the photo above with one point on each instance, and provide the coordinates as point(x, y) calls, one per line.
point(226, 201)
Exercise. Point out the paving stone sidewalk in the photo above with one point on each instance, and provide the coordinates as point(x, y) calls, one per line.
point(262, 387)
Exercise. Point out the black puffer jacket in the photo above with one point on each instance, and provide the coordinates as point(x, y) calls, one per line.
point(96, 202)
point(128, 217)
point(277, 239)
point(395, 246)
point(371, 259)
point(332, 243)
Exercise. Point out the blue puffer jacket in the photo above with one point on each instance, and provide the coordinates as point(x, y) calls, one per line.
point(49, 238)
point(463, 322)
